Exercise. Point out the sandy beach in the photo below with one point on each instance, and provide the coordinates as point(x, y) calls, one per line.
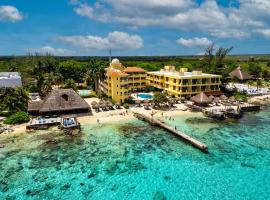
point(124, 115)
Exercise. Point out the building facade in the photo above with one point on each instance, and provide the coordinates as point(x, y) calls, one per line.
point(120, 82)
point(183, 83)
point(10, 79)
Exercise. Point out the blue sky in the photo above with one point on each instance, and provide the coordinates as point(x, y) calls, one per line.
point(128, 27)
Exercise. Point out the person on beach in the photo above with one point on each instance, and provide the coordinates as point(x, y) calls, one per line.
point(98, 121)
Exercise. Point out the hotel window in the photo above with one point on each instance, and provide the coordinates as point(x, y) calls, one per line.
point(167, 79)
point(185, 82)
point(203, 81)
point(174, 80)
point(194, 81)
point(174, 87)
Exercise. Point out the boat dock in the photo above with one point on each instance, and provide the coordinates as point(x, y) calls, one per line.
point(182, 135)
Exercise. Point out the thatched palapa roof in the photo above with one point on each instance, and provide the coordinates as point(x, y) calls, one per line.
point(60, 100)
point(240, 74)
point(201, 99)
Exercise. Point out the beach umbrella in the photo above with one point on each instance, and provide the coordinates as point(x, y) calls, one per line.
point(217, 99)
point(101, 102)
point(201, 98)
point(223, 97)
point(137, 101)
point(232, 98)
point(171, 101)
point(183, 99)
point(94, 103)
point(211, 97)
point(110, 104)
point(118, 105)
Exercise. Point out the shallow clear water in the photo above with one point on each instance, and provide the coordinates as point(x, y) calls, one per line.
point(137, 161)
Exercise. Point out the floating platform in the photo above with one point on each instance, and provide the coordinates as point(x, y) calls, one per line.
point(182, 135)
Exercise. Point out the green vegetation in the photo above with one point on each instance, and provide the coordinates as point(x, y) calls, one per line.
point(17, 118)
point(160, 98)
point(126, 105)
point(70, 83)
point(13, 100)
point(241, 96)
point(40, 73)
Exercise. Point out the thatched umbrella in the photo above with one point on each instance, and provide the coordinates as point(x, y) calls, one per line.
point(146, 101)
point(118, 105)
point(171, 101)
point(201, 98)
point(232, 99)
point(183, 99)
point(110, 104)
point(107, 103)
point(223, 97)
point(101, 102)
point(217, 99)
point(94, 103)
point(240, 74)
point(211, 97)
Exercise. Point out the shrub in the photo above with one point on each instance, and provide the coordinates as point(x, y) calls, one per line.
point(129, 101)
point(126, 106)
point(17, 118)
point(5, 114)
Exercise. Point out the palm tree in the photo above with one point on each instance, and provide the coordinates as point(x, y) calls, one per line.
point(96, 72)
point(92, 72)
point(15, 100)
point(249, 83)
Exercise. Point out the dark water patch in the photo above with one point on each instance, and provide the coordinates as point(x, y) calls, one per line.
point(11, 153)
point(159, 196)
point(10, 197)
point(203, 120)
point(65, 187)
point(248, 165)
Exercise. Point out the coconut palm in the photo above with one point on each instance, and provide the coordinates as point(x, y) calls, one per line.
point(96, 72)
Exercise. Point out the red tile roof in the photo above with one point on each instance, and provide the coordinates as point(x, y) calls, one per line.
point(133, 69)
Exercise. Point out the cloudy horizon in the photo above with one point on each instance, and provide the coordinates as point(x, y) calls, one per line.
point(152, 27)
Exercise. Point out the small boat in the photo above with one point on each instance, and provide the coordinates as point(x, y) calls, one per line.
point(214, 114)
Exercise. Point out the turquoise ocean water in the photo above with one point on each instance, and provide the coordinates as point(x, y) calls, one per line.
point(137, 161)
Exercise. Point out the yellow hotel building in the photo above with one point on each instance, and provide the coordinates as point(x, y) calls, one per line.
point(183, 83)
point(120, 82)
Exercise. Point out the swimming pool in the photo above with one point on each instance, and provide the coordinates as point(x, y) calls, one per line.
point(84, 92)
point(144, 96)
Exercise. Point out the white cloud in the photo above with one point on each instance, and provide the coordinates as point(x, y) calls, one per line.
point(115, 40)
point(265, 32)
point(51, 50)
point(194, 42)
point(10, 14)
point(187, 15)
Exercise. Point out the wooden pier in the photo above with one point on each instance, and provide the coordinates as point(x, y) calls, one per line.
point(182, 135)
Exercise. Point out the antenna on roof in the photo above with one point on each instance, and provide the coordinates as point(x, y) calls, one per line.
point(110, 57)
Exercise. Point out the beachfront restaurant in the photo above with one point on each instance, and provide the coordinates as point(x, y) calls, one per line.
point(59, 102)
